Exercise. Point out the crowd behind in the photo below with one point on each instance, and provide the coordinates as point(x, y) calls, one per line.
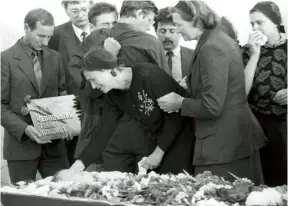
point(146, 100)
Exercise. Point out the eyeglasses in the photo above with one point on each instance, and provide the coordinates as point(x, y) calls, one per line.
point(76, 12)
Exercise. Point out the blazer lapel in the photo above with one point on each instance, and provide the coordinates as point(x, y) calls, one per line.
point(70, 40)
point(185, 62)
point(46, 70)
point(25, 64)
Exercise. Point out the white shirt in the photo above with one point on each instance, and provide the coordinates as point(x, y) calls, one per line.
point(78, 32)
point(176, 72)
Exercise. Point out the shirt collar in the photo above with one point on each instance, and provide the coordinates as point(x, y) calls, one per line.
point(78, 31)
point(176, 51)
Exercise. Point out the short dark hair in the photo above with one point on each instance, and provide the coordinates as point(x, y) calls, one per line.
point(41, 15)
point(66, 2)
point(101, 8)
point(130, 7)
point(164, 16)
point(228, 28)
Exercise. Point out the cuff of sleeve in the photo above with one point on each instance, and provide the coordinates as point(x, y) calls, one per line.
point(184, 108)
point(20, 132)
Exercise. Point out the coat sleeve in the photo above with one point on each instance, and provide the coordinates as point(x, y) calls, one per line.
point(172, 124)
point(105, 129)
point(214, 69)
point(10, 121)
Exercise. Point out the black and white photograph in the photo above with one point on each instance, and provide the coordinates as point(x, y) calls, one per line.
point(144, 103)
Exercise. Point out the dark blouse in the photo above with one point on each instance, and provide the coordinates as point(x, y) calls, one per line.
point(270, 77)
point(139, 102)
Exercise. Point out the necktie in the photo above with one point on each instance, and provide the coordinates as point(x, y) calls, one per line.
point(37, 69)
point(170, 55)
point(83, 35)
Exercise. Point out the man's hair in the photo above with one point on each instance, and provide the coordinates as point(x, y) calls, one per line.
point(41, 15)
point(164, 16)
point(66, 2)
point(101, 8)
point(129, 7)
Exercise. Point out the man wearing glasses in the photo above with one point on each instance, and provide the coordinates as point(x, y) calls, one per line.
point(65, 40)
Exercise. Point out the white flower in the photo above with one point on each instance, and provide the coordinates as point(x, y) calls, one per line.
point(181, 176)
point(268, 196)
point(137, 186)
point(180, 196)
point(210, 202)
point(145, 181)
point(165, 177)
point(21, 183)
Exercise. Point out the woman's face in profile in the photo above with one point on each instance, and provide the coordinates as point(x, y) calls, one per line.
point(188, 31)
point(102, 80)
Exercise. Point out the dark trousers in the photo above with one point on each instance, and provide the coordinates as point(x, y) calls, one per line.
point(249, 167)
point(274, 153)
point(26, 170)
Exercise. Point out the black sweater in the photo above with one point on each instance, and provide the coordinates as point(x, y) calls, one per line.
point(139, 102)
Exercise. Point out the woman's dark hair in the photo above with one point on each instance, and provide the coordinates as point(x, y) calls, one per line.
point(228, 28)
point(98, 59)
point(197, 11)
point(271, 11)
point(38, 15)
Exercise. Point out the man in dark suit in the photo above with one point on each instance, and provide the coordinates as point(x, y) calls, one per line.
point(65, 40)
point(30, 68)
point(178, 57)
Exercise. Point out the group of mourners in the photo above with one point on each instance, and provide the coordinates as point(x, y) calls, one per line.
point(220, 108)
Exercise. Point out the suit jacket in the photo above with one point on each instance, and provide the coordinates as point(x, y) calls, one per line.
point(186, 58)
point(18, 80)
point(226, 129)
point(65, 41)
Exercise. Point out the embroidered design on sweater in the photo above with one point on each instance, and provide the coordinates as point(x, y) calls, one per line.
point(147, 104)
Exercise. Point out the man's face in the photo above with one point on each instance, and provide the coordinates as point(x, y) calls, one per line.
point(144, 20)
point(78, 13)
point(167, 34)
point(38, 37)
point(105, 20)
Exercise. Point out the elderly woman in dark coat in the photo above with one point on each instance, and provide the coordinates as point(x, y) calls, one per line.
point(228, 136)
point(166, 140)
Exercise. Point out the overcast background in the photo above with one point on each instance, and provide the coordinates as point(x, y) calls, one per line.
point(13, 12)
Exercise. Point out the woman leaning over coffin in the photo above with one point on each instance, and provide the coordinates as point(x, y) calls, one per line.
point(266, 86)
point(228, 136)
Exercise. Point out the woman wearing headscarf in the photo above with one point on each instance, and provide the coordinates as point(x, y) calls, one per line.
point(265, 58)
point(162, 141)
point(228, 137)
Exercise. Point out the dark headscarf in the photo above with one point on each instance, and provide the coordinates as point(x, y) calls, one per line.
point(272, 11)
point(98, 59)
